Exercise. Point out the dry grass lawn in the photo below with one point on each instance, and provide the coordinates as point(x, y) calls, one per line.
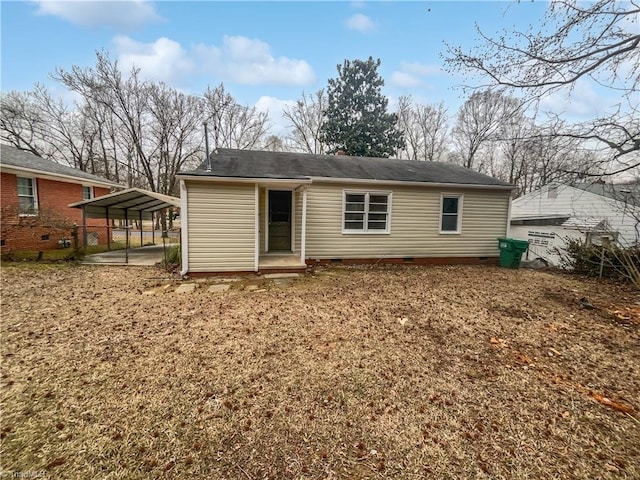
point(404, 373)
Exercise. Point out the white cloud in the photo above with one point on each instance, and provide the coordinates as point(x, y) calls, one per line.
point(361, 23)
point(275, 106)
point(420, 69)
point(584, 101)
point(358, 4)
point(405, 80)
point(250, 62)
point(121, 14)
point(163, 59)
point(239, 59)
point(412, 74)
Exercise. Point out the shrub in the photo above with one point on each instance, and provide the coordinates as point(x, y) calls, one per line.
point(607, 261)
point(174, 255)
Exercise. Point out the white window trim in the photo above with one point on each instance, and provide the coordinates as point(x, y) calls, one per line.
point(34, 183)
point(91, 190)
point(460, 198)
point(367, 193)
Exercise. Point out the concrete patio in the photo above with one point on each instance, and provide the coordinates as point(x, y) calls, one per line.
point(142, 256)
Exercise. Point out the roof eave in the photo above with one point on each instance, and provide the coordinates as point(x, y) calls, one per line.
point(411, 183)
point(311, 179)
point(56, 176)
point(219, 178)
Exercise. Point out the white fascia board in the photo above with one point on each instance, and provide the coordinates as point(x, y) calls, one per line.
point(58, 176)
point(540, 217)
point(307, 181)
point(260, 181)
point(411, 184)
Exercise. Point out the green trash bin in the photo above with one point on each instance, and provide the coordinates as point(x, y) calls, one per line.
point(511, 251)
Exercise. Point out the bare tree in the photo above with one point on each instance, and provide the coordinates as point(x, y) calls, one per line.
point(433, 120)
point(479, 122)
point(126, 99)
point(553, 158)
point(513, 143)
point(598, 41)
point(274, 143)
point(305, 119)
point(425, 129)
point(174, 133)
point(234, 125)
point(408, 123)
point(49, 128)
point(21, 122)
point(127, 129)
point(148, 129)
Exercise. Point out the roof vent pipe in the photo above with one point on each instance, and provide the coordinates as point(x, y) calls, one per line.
point(206, 147)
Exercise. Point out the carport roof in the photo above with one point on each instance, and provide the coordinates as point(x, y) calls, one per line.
point(129, 200)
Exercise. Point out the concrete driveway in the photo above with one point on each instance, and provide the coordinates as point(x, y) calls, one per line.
point(142, 256)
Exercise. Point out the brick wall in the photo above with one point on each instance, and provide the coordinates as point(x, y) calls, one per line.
point(44, 231)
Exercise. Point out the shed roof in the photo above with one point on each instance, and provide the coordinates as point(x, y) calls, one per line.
point(119, 204)
point(286, 165)
point(625, 193)
point(28, 162)
point(587, 224)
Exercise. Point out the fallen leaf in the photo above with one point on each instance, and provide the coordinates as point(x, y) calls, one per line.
point(611, 468)
point(620, 407)
point(498, 342)
point(523, 358)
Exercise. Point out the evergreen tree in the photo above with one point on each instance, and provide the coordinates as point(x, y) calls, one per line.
point(357, 121)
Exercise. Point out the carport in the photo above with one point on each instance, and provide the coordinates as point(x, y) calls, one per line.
point(128, 205)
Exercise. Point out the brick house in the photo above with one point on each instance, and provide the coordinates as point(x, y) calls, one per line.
point(34, 198)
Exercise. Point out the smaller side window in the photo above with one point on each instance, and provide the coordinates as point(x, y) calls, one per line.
point(87, 193)
point(451, 214)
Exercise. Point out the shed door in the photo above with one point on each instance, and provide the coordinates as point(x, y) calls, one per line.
point(279, 220)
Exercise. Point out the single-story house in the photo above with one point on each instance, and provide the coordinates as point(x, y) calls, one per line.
point(35, 194)
point(590, 212)
point(250, 211)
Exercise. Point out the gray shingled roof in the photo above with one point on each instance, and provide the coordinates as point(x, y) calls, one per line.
point(14, 157)
point(260, 164)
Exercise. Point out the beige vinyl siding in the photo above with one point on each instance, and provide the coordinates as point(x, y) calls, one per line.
point(221, 226)
point(415, 224)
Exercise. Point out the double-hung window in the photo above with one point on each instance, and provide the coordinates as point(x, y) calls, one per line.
point(87, 192)
point(451, 214)
point(366, 212)
point(27, 196)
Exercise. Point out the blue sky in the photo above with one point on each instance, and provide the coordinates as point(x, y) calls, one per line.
point(265, 53)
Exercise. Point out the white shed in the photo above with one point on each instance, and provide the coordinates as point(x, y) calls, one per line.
point(592, 213)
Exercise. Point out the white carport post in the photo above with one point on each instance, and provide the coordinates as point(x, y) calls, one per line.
point(303, 227)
